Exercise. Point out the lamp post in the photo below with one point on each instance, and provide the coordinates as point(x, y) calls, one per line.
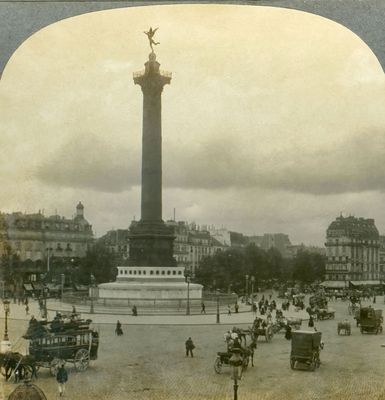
point(92, 286)
point(218, 314)
point(247, 286)
point(6, 304)
point(252, 286)
point(62, 276)
point(49, 249)
point(188, 274)
point(236, 364)
point(252, 292)
point(6, 344)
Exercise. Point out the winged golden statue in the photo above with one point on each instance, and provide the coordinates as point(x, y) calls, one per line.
point(150, 34)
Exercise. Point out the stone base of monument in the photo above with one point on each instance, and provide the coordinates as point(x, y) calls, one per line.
point(151, 287)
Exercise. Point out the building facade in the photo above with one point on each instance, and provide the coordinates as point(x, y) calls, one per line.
point(116, 241)
point(36, 237)
point(280, 241)
point(352, 250)
point(192, 243)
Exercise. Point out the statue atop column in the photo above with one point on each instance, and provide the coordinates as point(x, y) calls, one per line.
point(150, 34)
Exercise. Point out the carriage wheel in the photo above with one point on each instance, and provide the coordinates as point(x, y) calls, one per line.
point(218, 365)
point(82, 360)
point(292, 363)
point(313, 364)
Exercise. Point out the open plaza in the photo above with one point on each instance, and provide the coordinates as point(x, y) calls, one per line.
point(148, 361)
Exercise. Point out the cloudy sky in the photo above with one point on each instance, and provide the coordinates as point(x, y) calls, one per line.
point(273, 121)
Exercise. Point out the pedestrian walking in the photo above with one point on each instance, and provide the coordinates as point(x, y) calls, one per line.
point(374, 300)
point(33, 371)
point(134, 311)
point(288, 332)
point(118, 329)
point(236, 307)
point(254, 308)
point(61, 379)
point(189, 347)
point(311, 322)
point(203, 308)
point(27, 310)
point(228, 310)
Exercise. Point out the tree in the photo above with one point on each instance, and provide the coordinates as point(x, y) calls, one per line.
point(308, 267)
point(98, 261)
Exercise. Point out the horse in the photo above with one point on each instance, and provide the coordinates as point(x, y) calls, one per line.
point(13, 362)
point(250, 350)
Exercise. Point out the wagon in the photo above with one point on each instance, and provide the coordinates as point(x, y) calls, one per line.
point(60, 341)
point(324, 313)
point(305, 349)
point(223, 358)
point(266, 331)
point(345, 327)
point(370, 320)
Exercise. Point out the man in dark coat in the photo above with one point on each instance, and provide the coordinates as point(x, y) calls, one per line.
point(288, 332)
point(189, 347)
point(61, 379)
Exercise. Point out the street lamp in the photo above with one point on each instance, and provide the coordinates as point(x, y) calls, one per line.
point(236, 364)
point(6, 304)
point(49, 249)
point(188, 275)
point(252, 292)
point(218, 314)
point(252, 286)
point(62, 285)
point(247, 286)
point(92, 286)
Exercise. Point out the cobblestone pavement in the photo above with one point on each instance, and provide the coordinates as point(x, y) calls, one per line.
point(148, 362)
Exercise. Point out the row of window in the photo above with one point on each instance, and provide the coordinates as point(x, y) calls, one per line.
point(143, 272)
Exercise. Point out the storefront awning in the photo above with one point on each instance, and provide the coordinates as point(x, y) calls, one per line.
point(334, 284)
point(366, 283)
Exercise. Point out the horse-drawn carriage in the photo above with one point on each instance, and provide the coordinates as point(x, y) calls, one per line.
point(262, 328)
point(324, 313)
point(370, 320)
point(305, 349)
point(233, 340)
point(345, 327)
point(51, 344)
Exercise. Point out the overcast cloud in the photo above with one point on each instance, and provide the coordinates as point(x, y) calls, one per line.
point(273, 120)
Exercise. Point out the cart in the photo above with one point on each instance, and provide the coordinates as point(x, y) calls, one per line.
point(370, 320)
point(345, 327)
point(324, 313)
point(305, 349)
point(266, 331)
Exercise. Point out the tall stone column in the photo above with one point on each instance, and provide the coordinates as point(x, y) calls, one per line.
point(151, 241)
